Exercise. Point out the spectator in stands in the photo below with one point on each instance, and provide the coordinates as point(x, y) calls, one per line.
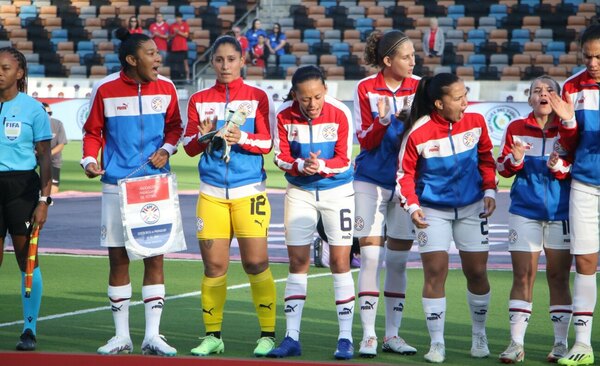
point(156, 128)
point(260, 52)
point(579, 136)
point(25, 133)
point(59, 140)
point(381, 105)
point(134, 26)
point(253, 33)
point(538, 220)
point(449, 194)
point(179, 33)
point(313, 146)
point(433, 40)
point(237, 33)
point(159, 31)
point(277, 41)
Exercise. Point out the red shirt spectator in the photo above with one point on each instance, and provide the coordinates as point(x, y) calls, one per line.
point(134, 26)
point(179, 31)
point(159, 31)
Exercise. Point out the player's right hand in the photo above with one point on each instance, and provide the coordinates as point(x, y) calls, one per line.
point(418, 218)
point(92, 170)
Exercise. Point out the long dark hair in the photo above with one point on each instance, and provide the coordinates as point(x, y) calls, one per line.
point(226, 39)
point(130, 44)
point(591, 33)
point(429, 90)
point(278, 33)
point(302, 74)
point(22, 82)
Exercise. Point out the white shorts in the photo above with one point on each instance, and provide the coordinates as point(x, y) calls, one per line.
point(528, 235)
point(469, 232)
point(302, 210)
point(112, 231)
point(584, 211)
point(375, 208)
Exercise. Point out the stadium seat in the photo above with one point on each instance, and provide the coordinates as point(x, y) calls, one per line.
point(511, 73)
point(477, 37)
point(465, 72)
point(544, 36)
point(456, 12)
point(498, 11)
point(500, 61)
point(364, 26)
point(476, 61)
point(446, 23)
point(558, 72)
point(556, 49)
point(455, 36)
point(488, 24)
point(36, 70)
point(520, 36)
point(466, 24)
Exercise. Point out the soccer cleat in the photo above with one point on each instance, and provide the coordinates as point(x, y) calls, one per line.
point(264, 345)
point(116, 345)
point(513, 354)
point(368, 347)
point(287, 348)
point(397, 345)
point(157, 345)
point(344, 350)
point(436, 354)
point(210, 344)
point(26, 341)
point(479, 346)
point(559, 350)
point(580, 354)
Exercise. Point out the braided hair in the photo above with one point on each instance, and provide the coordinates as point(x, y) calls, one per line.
point(22, 82)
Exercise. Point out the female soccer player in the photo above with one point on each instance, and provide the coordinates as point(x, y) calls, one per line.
point(232, 198)
point(538, 218)
point(447, 182)
point(579, 135)
point(313, 146)
point(135, 121)
point(381, 103)
point(25, 135)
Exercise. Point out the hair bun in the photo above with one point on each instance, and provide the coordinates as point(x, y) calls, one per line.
point(122, 33)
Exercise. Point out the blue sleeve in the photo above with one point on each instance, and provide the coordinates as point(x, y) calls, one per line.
point(41, 125)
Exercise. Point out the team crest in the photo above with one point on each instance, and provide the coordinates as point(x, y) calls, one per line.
point(12, 130)
point(82, 114)
point(157, 104)
point(199, 224)
point(245, 107)
point(469, 139)
point(512, 236)
point(422, 238)
point(359, 223)
point(329, 133)
point(150, 213)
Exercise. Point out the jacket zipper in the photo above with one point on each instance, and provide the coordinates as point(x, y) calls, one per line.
point(455, 160)
point(141, 125)
point(226, 163)
point(310, 133)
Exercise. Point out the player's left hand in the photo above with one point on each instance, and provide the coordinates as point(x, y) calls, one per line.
point(233, 135)
point(564, 110)
point(489, 206)
point(159, 158)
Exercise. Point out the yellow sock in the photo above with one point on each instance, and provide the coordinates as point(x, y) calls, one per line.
point(214, 291)
point(264, 297)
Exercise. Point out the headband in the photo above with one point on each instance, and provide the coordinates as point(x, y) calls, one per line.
point(391, 49)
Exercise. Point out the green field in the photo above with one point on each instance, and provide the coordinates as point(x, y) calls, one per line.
point(73, 179)
point(76, 284)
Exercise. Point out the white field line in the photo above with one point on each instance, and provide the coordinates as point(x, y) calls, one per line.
point(135, 303)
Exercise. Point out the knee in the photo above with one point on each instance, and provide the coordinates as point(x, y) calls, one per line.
point(215, 269)
point(255, 267)
point(300, 264)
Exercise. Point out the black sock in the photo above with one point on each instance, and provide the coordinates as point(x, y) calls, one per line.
point(267, 334)
point(215, 334)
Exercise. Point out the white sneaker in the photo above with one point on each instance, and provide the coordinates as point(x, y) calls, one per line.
point(116, 345)
point(479, 345)
point(436, 354)
point(157, 345)
point(368, 347)
point(397, 345)
point(513, 354)
point(559, 350)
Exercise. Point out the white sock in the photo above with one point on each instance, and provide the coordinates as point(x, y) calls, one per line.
point(343, 288)
point(371, 258)
point(584, 301)
point(394, 290)
point(478, 304)
point(120, 297)
point(561, 319)
point(295, 297)
point(435, 315)
point(154, 300)
point(519, 312)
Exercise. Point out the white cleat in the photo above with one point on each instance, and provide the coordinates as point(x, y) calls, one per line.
point(479, 346)
point(559, 350)
point(157, 345)
point(436, 354)
point(513, 354)
point(368, 347)
point(116, 345)
point(397, 345)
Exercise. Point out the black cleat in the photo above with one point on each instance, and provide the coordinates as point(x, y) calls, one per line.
point(26, 341)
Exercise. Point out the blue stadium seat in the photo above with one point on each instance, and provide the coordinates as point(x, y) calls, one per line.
point(85, 48)
point(577, 69)
point(36, 70)
point(521, 36)
point(555, 48)
point(477, 37)
point(446, 23)
point(456, 11)
point(530, 3)
point(311, 36)
point(498, 11)
point(543, 35)
point(364, 26)
point(340, 50)
point(573, 2)
point(477, 61)
point(187, 11)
